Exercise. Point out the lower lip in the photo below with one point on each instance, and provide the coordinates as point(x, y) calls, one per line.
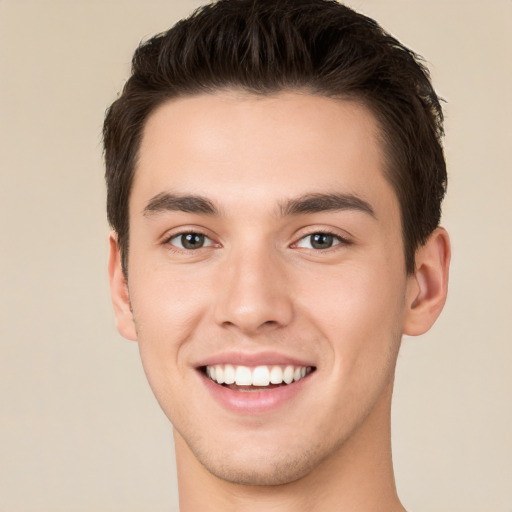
point(254, 402)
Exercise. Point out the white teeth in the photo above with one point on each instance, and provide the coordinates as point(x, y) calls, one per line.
point(276, 375)
point(219, 374)
point(229, 374)
point(288, 374)
point(259, 376)
point(243, 376)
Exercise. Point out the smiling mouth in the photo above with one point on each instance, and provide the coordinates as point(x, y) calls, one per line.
point(258, 378)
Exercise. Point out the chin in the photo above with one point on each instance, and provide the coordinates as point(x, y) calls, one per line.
point(260, 467)
point(262, 473)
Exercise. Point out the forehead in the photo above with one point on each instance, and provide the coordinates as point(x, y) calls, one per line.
point(235, 147)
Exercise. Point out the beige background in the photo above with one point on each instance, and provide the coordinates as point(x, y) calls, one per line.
point(79, 428)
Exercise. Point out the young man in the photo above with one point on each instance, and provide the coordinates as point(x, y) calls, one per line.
point(275, 178)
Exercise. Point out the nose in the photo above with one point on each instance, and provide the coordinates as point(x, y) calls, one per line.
point(255, 294)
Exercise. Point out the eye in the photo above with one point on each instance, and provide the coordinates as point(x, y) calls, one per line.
point(190, 241)
point(319, 241)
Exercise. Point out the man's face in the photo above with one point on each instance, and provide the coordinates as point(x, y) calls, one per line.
point(264, 234)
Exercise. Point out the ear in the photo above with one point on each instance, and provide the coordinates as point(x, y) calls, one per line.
point(428, 286)
point(119, 292)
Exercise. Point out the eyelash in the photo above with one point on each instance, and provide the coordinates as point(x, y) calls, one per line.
point(339, 240)
point(182, 234)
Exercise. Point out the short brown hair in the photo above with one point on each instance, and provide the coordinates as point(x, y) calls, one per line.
point(267, 46)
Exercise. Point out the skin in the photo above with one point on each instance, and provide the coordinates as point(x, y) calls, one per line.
point(259, 284)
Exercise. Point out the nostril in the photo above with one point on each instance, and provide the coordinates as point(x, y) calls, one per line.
point(254, 302)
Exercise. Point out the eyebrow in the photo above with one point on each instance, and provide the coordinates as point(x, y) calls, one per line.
point(315, 203)
point(166, 201)
point(308, 203)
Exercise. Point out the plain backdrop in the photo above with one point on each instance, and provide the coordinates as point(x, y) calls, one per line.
point(79, 427)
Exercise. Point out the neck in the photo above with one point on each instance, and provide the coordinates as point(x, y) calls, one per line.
point(357, 477)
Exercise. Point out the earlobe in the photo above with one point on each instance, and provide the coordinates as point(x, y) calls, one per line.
point(119, 292)
point(428, 286)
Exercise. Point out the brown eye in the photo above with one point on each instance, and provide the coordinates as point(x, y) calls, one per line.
point(319, 241)
point(190, 241)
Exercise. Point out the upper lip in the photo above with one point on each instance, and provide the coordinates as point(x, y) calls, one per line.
point(240, 358)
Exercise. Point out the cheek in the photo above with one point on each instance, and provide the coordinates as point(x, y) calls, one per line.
point(358, 308)
point(162, 294)
point(167, 308)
